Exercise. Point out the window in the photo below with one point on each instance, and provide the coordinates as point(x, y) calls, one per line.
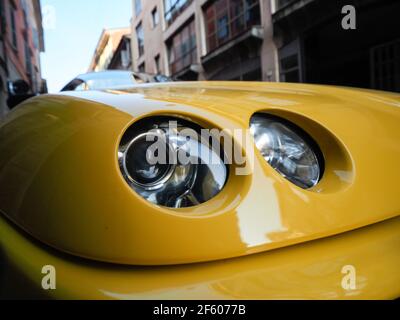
point(173, 8)
point(290, 64)
point(28, 61)
point(142, 68)
point(385, 66)
point(13, 28)
point(154, 17)
point(26, 25)
point(157, 64)
point(183, 49)
point(138, 7)
point(140, 39)
point(290, 69)
point(226, 19)
point(35, 36)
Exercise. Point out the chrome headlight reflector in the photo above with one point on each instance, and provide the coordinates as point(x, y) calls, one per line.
point(288, 149)
point(138, 170)
point(185, 177)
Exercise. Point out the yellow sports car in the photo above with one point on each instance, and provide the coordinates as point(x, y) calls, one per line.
point(203, 190)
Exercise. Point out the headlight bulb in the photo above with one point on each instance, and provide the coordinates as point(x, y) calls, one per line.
point(288, 149)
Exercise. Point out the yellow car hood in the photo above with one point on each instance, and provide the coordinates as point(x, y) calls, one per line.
point(60, 180)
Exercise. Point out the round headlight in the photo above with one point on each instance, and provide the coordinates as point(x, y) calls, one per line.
point(288, 149)
point(168, 167)
point(136, 167)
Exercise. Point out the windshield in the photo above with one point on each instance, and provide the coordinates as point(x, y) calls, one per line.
point(110, 80)
point(101, 81)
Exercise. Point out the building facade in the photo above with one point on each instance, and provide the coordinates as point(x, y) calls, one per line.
point(314, 47)
point(21, 42)
point(110, 41)
point(269, 40)
point(200, 39)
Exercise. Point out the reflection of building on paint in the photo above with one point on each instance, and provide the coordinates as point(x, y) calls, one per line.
point(110, 42)
point(270, 40)
point(21, 42)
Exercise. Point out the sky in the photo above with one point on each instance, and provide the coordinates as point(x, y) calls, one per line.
point(72, 29)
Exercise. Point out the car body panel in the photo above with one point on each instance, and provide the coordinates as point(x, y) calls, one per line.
point(312, 270)
point(61, 181)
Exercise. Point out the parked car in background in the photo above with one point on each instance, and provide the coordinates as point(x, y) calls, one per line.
point(111, 79)
point(20, 91)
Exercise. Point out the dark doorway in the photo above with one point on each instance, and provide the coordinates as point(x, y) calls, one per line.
point(352, 57)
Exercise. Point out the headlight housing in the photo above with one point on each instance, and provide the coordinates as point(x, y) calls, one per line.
point(185, 177)
point(288, 149)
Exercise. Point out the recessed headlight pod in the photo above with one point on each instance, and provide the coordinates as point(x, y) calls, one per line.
point(288, 149)
point(165, 160)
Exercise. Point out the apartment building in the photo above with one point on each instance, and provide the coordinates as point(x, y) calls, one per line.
point(269, 40)
point(200, 39)
point(21, 42)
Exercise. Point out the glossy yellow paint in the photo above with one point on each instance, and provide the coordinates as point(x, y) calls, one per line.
point(311, 270)
point(60, 180)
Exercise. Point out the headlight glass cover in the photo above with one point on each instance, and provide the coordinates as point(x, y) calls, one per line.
point(288, 149)
point(185, 177)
